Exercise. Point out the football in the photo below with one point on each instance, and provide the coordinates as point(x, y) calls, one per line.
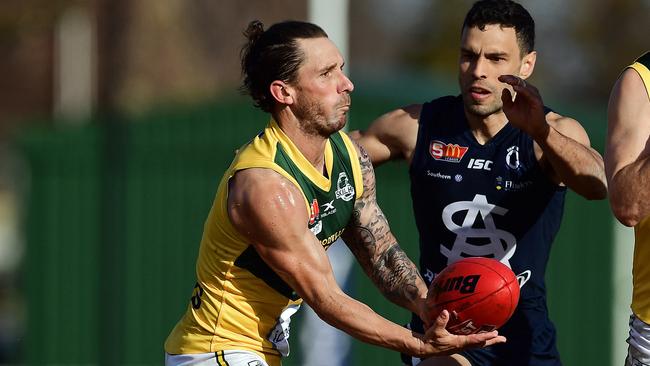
point(481, 294)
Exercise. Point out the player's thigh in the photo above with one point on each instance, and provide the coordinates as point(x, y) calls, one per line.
point(453, 360)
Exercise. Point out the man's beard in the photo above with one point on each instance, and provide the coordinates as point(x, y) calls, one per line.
point(314, 120)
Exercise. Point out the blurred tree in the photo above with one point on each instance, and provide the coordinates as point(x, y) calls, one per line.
point(26, 44)
point(582, 44)
point(177, 50)
point(611, 34)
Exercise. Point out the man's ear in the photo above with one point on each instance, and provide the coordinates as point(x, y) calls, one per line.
point(528, 65)
point(282, 92)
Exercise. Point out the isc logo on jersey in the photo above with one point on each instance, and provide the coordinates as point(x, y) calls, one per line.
point(480, 164)
point(447, 152)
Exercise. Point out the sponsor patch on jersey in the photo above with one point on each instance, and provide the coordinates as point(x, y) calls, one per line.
point(480, 164)
point(317, 228)
point(344, 190)
point(331, 239)
point(328, 209)
point(511, 185)
point(512, 157)
point(315, 224)
point(314, 212)
point(438, 175)
point(523, 277)
point(447, 152)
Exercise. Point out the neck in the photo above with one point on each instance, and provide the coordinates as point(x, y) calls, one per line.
point(311, 146)
point(485, 128)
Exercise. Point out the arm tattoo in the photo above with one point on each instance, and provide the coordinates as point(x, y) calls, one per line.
point(370, 239)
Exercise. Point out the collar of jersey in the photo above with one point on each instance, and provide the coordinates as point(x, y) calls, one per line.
point(299, 159)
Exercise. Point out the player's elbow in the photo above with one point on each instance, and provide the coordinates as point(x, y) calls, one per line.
point(627, 220)
point(626, 214)
point(322, 300)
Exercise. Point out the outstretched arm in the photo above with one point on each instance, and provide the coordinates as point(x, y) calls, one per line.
point(627, 160)
point(562, 145)
point(270, 211)
point(391, 136)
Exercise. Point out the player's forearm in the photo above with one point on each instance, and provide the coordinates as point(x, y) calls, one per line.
point(386, 264)
point(629, 194)
point(398, 279)
point(579, 167)
point(362, 323)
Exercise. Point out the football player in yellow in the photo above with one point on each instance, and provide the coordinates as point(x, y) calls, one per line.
point(627, 164)
point(288, 195)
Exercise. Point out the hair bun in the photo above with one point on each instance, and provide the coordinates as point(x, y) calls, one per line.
point(254, 31)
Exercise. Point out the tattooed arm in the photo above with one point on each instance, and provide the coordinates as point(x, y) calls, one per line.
point(269, 211)
point(369, 237)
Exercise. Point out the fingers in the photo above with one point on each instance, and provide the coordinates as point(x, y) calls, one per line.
point(437, 330)
point(484, 339)
point(495, 340)
point(519, 85)
point(524, 90)
point(506, 97)
point(442, 319)
point(441, 342)
point(480, 340)
point(515, 81)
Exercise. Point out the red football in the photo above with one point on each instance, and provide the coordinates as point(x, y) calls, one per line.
point(480, 294)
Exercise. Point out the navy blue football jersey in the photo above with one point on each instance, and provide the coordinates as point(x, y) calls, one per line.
point(491, 200)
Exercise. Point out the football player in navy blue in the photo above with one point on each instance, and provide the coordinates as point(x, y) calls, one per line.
point(489, 170)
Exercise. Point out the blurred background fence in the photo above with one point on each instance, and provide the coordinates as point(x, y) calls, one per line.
point(118, 117)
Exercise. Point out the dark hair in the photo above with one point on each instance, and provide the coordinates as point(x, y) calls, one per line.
point(271, 55)
point(506, 13)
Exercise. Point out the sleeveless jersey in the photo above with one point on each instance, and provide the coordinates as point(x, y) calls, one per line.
point(238, 301)
point(640, 268)
point(491, 200)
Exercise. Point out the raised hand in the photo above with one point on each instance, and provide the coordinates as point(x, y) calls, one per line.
point(526, 110)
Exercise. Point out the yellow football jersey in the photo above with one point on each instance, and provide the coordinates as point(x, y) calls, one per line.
point(640, 269)
point(238, 302)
